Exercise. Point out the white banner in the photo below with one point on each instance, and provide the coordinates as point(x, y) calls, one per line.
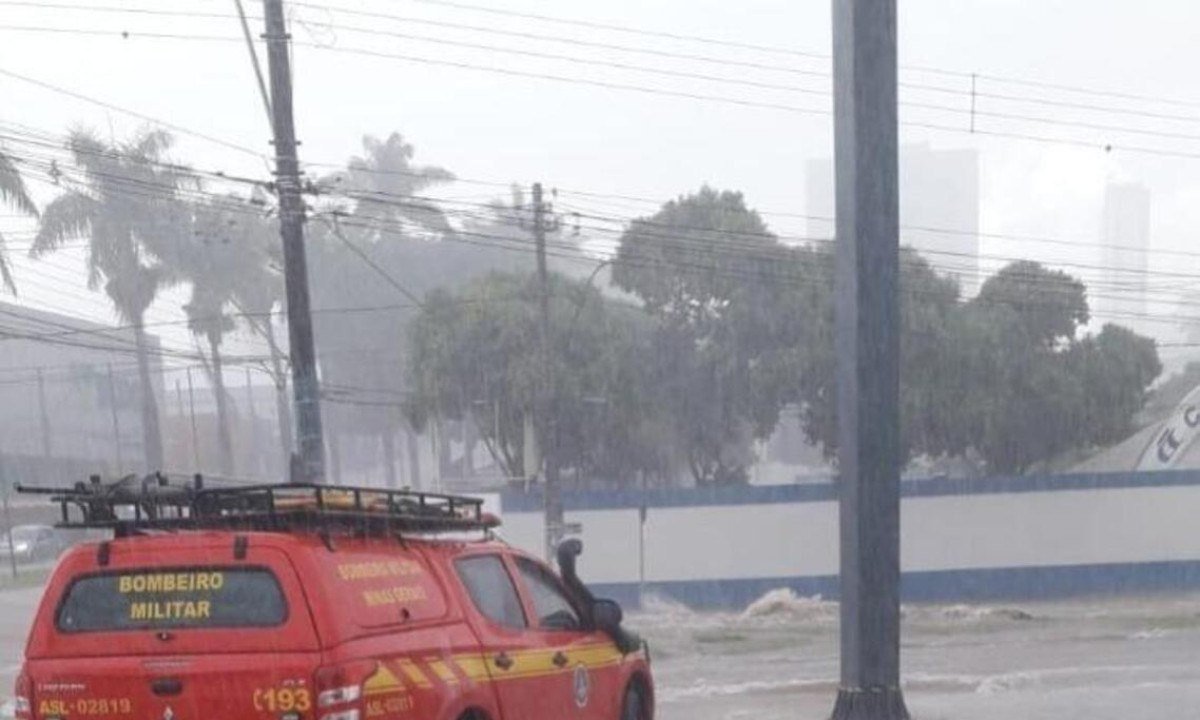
point(1174, 436)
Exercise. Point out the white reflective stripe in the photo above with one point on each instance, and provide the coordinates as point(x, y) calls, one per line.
point(339, 696)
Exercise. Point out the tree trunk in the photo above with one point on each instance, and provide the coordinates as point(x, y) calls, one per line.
point(224, 441)
point(389, 456)
point(442, 448)
point(414, 458)
point(335, 456)
point(283, 408)
point(252, 461)
point(151, 433)
point(470, 437)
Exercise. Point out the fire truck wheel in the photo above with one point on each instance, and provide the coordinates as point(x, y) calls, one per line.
point(634, 705)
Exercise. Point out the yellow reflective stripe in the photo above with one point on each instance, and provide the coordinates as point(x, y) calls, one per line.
point(414, 673)
point(595, 656)
point(473, 666)
point(444, 673)
point(527, 664)
point(539, 663)
point(383, 681)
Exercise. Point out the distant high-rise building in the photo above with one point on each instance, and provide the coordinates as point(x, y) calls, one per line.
point(939, 207)
point(1120, 296)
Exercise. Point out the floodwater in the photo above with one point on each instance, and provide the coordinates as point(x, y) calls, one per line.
point(1076, 660)
point(1111, 659)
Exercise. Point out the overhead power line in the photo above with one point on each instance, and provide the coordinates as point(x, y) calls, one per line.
point(774, 50)
point(644, 222)
point(728, 240)
point(777, 50)
point(376, 267)
point(132, 113)
point(1107, 146)
point(1178, 275)
point(651, 51)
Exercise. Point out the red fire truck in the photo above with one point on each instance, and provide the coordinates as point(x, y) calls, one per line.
point(307, 602)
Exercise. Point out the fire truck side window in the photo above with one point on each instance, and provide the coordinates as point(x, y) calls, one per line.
point(554, 610)
point(491, 589)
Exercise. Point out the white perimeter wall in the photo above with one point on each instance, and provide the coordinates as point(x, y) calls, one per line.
point(799, 539)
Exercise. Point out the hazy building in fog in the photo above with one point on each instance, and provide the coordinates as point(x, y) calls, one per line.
point(939, 207)
point(1120, 296)
point(69, 394)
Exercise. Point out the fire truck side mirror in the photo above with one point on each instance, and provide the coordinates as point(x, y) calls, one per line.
point(607, 615)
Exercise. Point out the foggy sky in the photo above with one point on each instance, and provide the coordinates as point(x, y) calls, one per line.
point(497, 128)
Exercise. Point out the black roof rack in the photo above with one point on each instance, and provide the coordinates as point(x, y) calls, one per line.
point(136, 505)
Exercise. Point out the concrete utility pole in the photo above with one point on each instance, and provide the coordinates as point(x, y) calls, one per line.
point(868, 353)
point(192, 413)
point(552, 492)
point(253, 458)
point(6, 488)
point(47, 447)
point(307, 396)
point(116, 422)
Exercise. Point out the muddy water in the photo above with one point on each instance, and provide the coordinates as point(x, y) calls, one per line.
point(1081, 660)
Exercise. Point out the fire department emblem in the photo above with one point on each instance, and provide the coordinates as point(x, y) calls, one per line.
point(582, 685)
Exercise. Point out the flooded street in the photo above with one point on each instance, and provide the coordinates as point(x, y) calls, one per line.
point(1077, 660)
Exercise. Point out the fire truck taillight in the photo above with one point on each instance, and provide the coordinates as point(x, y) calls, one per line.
point(23, 702)
point(340, 689)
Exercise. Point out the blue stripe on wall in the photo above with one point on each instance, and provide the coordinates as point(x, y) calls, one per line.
point(520, 501)
point(1036, 583)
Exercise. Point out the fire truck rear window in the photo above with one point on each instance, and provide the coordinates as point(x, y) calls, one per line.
point(170, 599)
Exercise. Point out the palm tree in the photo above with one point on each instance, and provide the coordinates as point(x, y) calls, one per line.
point(259, 296)
point(386, 187)
point(13, 192)
point(128, 210)
point(388, 218)
point(227, 261)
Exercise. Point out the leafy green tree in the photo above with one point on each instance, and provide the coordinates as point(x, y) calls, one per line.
point(1038, 389)
point(1023, 401)
point(1188, 323)
point(735, 310)
point(380, 241)
point(933, 418)
point(746, 325)
point(933, 384)
point(127, 232)
point(475, 355)
point(1047, 306)
point(14, 193)
point(1116, 368)
point(1167, 395)
point(692, 258)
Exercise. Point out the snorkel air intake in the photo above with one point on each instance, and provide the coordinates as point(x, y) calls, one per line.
point(568, 552)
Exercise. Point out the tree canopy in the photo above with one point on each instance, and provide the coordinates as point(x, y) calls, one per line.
point(475, 355)
point(13, 192)
point(129, 235)
point(748, 324)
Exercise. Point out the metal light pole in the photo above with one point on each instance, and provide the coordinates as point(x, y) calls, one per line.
point(868, 354)
point(6, 486)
